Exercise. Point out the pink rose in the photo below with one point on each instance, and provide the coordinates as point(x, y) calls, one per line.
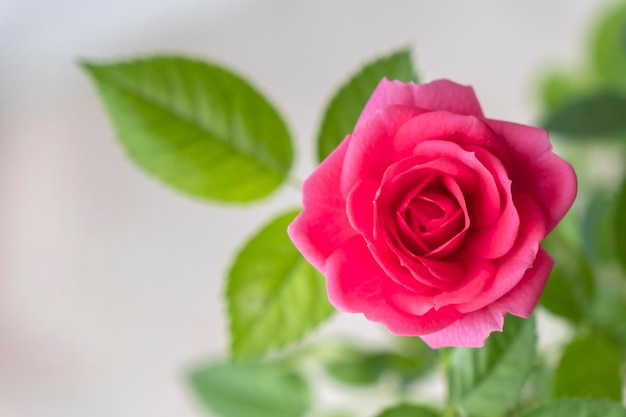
point(428, 217)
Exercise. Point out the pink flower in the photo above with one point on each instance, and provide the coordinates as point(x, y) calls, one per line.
point(428, 217)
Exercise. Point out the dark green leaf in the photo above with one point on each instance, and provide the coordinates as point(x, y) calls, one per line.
point(620, 224)
point(196, 126)
point(409, 410)
point(597, 115)
point(578, 408)
point(345, 107)
point(489, 380)
point(245, 390)
point(570, 289)
point(590, 367)
point(274, 295)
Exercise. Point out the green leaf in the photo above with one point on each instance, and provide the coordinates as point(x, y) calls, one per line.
point(346, 105)
point(245, 389)
point(596, 115)
point(570, 289)
point(409, 410)
point(362, 368)
point(196, 126)
point(489, 380)
point(599, 228)
point(578, 408)
point(590, 367)
point(274, 295)
point(609, 46)
point(620, 224)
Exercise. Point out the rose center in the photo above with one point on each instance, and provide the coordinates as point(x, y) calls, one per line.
point(430, 220)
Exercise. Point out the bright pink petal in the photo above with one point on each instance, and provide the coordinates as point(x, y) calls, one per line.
point(356, 283)
point(523, 299)
point(371, 148)
point(323, 225)
point(475, 327)
point(436, 95)
point(537, 170)
point(513, 266)
point(470, 331)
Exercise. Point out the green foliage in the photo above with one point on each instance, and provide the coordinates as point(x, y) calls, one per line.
point(578, 408)
point(274, 295)
point(590, 367)
point(608, 51)
point(245, 390)
point(409, 410)
point(599, 228)
point(489, 380)
point(595, 115)
point(570, 289)
point(351, 365)
point(620, 224)
point(196, 126)
point(346, 105)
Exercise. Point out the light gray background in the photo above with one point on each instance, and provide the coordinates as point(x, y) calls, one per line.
point(110, 284)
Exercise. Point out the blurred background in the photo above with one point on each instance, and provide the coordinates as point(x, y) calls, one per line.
point(110, 283)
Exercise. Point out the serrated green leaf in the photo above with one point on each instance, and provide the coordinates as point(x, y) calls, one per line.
point(274, 295)
point(590, 368)
point(409, 410)
point(196, 126)
point(596, 115)
point(609, 46)
point(346, 105)
point(245, 390)
point(570, 289)
point(578, 408)
point(489, 380)
point(620, 224)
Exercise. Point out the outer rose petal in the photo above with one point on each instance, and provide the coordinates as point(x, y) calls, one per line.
point(475, 327)
point(436, 95)
point(357, 284)
point(323, 225)
point(537, 170)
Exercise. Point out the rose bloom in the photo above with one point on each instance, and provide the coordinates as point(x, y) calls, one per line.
point(428, 217)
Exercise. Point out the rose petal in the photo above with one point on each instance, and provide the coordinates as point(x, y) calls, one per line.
point(370, 151)
point(537, 170)
point(323, 225)
point(475, 327)
point(483, 203)
point(513, 266)
point(470, 331)
point(436, 95)
point(357, 284)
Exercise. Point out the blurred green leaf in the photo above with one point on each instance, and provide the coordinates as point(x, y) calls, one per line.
point(578, 408)
point(346, 105)
point(590, 368)
point(559, 87)
point(245, 390)
point(196, 126)
point(357, 367)
point(570, 289)
point(609, 46)
point(409, 410)
point(274, 295)
point(595, 115)
point(599, 228)
point(620, 224)
point(489, 380)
